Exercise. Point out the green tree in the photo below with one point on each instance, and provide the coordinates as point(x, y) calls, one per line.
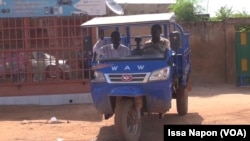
point(244, 27)
point(186, 10)
point(224, 12)
point(242, 14)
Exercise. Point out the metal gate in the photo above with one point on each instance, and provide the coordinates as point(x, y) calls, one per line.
point(243, 58)
point(42, 50)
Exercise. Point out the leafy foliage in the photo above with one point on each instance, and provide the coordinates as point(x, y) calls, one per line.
point(224, 12)
point(227, 12)
point(242, 28)
point(186, 10)
point(242, 14)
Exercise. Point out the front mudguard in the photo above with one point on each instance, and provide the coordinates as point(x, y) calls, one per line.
point(103, 94)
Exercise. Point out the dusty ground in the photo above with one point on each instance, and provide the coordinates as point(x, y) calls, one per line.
point(220, 104)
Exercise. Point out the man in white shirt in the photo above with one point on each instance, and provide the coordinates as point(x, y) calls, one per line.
point(116, 49)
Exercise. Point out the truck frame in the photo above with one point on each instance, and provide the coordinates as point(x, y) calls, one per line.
point(140, 84)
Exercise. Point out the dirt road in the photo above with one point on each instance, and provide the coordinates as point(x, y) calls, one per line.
point(220, 104)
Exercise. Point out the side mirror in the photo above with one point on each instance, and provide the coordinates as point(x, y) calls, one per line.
point(175, 40)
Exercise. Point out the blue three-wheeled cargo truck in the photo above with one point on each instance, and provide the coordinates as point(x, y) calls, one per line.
point(144, 82)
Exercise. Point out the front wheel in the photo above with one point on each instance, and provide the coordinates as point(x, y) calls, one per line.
point(182, 100)
point(127, 126)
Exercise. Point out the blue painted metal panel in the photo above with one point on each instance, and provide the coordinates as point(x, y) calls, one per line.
point(101, 100)
point(134, 67)
point(158, 93)
point(41, 8)
point(130, 91)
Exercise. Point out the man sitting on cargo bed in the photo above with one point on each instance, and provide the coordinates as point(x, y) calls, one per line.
point(99, 43)
point(116, 49)
point(157, 42)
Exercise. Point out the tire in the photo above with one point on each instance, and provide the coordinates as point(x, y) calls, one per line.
point(126, 125)
point(182, 100)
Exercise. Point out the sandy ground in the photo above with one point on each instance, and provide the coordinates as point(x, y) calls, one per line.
point(220, 104)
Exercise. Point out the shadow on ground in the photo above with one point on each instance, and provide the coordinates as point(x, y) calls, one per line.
point(208, 90)
point(152, 126)
point(78, 112)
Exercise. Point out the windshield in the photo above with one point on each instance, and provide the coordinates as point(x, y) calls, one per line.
point(148, 53)
point(136, 38)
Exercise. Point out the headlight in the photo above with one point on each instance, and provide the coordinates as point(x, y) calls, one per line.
point(99, 77)
point(161, 74)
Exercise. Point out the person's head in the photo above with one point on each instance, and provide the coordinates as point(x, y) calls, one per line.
point(101, 34)
point(156, 32)
point(115, 38)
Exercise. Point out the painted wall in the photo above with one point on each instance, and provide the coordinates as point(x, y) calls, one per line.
point(213, 50)
point(207, 42)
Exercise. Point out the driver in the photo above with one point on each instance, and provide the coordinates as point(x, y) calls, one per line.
point(116, 49)
point(157, 42)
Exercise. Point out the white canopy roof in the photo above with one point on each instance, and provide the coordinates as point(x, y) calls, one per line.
point(130, 19)
point(146, 1)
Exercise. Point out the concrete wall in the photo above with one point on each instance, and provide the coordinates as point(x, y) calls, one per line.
point(207, 42)
point(213, 50)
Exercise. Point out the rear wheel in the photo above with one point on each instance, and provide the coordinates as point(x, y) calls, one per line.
point(182, 100)
point(127, 126)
